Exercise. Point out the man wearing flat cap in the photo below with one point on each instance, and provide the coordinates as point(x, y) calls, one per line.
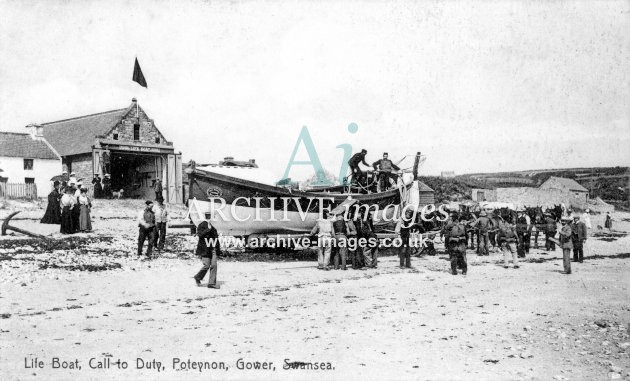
point(357, 174)
point(566, 241)
point(146, 227)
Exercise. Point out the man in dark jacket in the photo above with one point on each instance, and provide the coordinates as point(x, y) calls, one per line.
point(484, 224)
point(551, 228)
point(146, 228)
point(579, 237)
point(208, 249)
point(353, 163)
point(457, 245)
point(566, 242)
point(385, 166)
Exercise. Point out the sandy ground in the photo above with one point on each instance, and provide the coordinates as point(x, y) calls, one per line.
point(387, 323)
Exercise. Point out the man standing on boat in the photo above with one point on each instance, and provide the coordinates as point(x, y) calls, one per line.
point(385, 167)
point(353, 163)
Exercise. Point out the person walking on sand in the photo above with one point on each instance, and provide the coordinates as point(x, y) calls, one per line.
point(508, 239)
point(566, 242)
point(146, 228)
point(85, 205)
point(323, 229)
point(579, 238)
point(208, 249)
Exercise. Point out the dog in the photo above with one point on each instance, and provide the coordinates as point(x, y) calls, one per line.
point(118, 194)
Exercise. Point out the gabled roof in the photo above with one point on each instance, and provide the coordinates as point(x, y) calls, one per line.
point(422, 187)
point(13, 144)
point(76, 135)
point(562, 183)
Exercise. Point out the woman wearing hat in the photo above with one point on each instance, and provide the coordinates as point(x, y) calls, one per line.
point(107, 186)
point(53, 209)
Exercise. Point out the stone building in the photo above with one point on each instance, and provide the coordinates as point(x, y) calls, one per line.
point(123, 143)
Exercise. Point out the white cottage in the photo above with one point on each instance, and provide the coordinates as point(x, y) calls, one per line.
point(27, 158)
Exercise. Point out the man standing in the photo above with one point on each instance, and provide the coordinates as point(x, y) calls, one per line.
point(370, 250)
point(146, 225)
point(403, 228)
point(323, 229)
point(484, 224)
point(579, 237)
point(341, 242)
point(522, 230)
point(354, 251)
point(98, 187)
point(566, 241)
point(158, 190)
point(208, 253)
point(457, 244)
point(161, 217)
point(353, 163)
point(508, 238)
point(385, 166)
point(550, 232)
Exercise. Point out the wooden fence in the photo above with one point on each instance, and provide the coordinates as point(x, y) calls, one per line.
point(13, 190)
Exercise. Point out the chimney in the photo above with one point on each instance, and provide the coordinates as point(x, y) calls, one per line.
point(252, 161)
point(36, 131)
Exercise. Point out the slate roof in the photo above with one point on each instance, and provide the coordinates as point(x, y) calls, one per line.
point(562, 183)
point(422, 187)
point(14, 144)
point(76, 135)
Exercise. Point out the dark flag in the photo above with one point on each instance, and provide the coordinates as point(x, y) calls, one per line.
point(137, 75)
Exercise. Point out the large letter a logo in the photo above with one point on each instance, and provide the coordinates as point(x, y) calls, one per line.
point(305, 138)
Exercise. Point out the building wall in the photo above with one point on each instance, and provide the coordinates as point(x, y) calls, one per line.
point(148, 131)
point(42, 172)
point(81, 165)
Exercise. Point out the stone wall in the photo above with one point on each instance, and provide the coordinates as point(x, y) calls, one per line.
point(148, 132)
point(81, 165)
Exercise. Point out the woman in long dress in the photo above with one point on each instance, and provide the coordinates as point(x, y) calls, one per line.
point(53, 209)
point(85, 222)
point(67, 204)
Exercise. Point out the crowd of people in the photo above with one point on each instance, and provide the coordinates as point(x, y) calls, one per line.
point(513, 236)
point(69, 206)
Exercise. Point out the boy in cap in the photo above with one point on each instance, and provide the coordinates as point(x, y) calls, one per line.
point(146, 227)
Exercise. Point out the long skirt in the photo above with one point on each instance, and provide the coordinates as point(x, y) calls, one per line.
point(85, 223)
point(66, 221)
point(76, 213)
point(53, 213)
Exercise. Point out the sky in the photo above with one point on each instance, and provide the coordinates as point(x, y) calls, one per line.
point(476, 86)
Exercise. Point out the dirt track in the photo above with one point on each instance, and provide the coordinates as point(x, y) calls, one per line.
point(530, 323)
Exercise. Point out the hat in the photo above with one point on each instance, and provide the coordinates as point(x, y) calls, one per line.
point(363, 151)
point(587, 210)
point(384, 153)
point(483, 213)
point(576, 216)
point(148, 202)
point(106, 175)
point(72, 174)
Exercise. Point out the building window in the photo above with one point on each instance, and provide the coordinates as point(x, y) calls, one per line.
point(115, 135)
point(136, 132)
point(28, 164)
point(29, 180)
point(157, 140)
